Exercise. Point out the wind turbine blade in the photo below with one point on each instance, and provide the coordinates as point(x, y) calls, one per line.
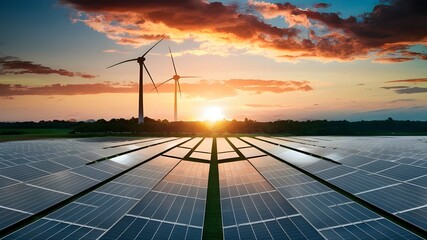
point(179, 87)
point(190, 77)
point(173, 62)
point(152, 47)
point(164, 82)
point(130, 60)
point(146, 69)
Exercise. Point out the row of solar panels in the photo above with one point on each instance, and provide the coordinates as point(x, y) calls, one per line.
point(164, 194)
point(33, 152)
point(387, 189)
point(21, 200)
point(260, 198)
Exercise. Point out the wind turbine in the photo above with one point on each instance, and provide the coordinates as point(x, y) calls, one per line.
point(142, 66)
point(175, 77)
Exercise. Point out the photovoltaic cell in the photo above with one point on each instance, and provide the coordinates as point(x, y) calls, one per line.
point(29, 199)
point(397, 198)
point(22, 173)
point(377, 166)
point(227, 155)
point(251, 152)
point(201, 155)
point(45, 229)
point(92, 173)
point(49, 166)
point(193, 142)
point(100, 213)
point(205, 146)
point(65, 181)
point(238, 143)
point(4, 182)
point(9, 217)
point(404, 172)
point(379, 229)
point(417, 216)
point(178, 152)
point(223, 145)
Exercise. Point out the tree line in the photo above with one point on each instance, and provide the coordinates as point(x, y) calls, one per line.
point(288, 127)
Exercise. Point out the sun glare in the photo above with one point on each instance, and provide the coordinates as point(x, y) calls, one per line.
point(213, 114)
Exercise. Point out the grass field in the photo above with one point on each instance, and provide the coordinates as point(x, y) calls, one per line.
point(14, 134)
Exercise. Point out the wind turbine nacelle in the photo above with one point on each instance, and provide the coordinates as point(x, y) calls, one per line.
point(141, 60)
point(176, 77)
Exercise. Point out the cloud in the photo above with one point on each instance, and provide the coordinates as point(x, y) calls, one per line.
point(415, 80)
point(411, 90)
point(393, 23)
point(254, 105)
point(203, 89)
point(321, 5)
point(67, 89)
point(13, 65)
point(403, 100)
point(395, 87)
point(225, 28)
point(114, 51)
point(230, 88)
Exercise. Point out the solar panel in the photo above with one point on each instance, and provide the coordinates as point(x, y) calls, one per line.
point(404, 172)
point(205, 146)
point(223, 145)
point(6, 182)
point(9, 217)
point(320, 205)
point(22, 173)
point(243, 209)
point(193, 142)
point(44, 229)
point(66, 182)
point(416, 216)
point(201, 155)
point(251, 152)
point(92, 173)
point(177, 152)
point(49, 166)
point(29, 199)
point(397, 197)
point(227, 155)
point(96, 210)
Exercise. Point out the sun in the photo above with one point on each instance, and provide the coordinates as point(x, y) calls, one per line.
point(213, 114)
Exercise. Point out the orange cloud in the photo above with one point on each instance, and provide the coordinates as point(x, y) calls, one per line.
point(13, 65)
point(224, 26)
point(415, 80)
point(203, 89)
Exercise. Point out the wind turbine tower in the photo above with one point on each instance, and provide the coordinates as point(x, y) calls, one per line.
point(175, 77)
point(142, 66)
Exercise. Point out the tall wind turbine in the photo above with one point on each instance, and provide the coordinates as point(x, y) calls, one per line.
point(175, 77)
point(142, 66)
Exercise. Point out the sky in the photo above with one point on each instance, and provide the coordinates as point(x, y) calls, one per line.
point(262, 60)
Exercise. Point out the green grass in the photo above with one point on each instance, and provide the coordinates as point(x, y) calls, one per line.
point(15, 134)
point(212, 228)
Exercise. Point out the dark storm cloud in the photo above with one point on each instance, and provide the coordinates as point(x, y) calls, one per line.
point(13, 65)
point(411, 90)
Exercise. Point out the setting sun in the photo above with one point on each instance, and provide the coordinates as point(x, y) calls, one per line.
point(213, 114)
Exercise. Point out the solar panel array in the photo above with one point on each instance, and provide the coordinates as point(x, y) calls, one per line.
point(270, 188)
point(27, 191)
point(390, 189)
point(252, 208)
